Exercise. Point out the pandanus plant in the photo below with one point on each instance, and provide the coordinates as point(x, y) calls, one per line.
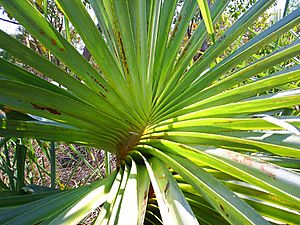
point(193, 145)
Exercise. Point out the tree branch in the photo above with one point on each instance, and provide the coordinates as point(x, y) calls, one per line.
point(10, 21)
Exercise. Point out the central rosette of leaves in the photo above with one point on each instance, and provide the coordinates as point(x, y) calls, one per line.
point(128, 144)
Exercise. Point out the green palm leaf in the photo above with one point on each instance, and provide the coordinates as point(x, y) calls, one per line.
point(196, 142)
